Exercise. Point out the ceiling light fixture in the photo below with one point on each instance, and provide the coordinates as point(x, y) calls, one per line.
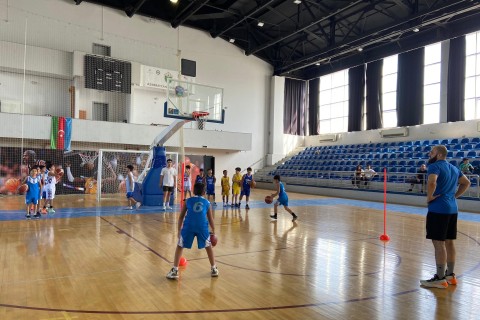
point(173, 1)
point(231, 40)
point(360, 49)
point(297, 1)
point(415, 30)
point(260, 24)
point(317, 64)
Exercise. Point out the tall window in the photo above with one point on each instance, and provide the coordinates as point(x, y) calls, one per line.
point(431, 82)
point(333, 112)
point(389, 94)
point(472, 77)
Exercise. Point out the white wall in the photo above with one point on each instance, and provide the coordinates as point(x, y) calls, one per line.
point(63, 26)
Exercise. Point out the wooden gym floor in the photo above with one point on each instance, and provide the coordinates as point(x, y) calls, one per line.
point(103, 262)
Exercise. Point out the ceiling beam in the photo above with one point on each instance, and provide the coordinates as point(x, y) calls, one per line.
point(186, 13)
point(274, 41)
point(130, 11)
point(244, 18)
point(385, 33)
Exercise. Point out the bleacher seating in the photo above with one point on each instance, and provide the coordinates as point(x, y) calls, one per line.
point(397, 157)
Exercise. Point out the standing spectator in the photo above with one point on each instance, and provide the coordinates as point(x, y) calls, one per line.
point(442, 215)
point(358, 176)
point(466, 167)
point(168, 179)
point(419, 178)
point(368, 175)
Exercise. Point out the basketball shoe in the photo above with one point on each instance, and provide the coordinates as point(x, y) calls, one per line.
point(451, 279)
point(435, 282)
point(295, 217)
point(214, 272)
point(173, 274)
point(273, 217)
point(137, 205)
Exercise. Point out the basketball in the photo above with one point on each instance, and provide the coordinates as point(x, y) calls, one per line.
point(59, 172)
point(253, 184)
point(268, 199)
point(12, 185)
point(183, 262)
point(213, 239)
point(179, 91)
point(22, 189)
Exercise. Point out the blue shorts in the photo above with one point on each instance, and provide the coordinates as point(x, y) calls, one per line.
point(283, 201)
point(210, 190)
point(31, 199)
point(245, 192)
point(129, 194)
point(187, 236)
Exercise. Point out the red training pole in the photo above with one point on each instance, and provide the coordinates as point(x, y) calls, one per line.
point(384, 236)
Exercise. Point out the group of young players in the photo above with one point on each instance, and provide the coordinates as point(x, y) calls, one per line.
point(241, 186)
point(40, 184)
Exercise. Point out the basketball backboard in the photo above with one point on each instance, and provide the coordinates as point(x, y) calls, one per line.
point(185, 98)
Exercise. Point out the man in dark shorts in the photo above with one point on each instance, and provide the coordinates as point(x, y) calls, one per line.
point(442, 215)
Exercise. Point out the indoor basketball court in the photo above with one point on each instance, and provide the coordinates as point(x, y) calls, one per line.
point(103, 262)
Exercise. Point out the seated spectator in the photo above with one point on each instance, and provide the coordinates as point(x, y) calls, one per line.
point(368, 175)
point(466, 167)
point(419, 178)
point(357, 176)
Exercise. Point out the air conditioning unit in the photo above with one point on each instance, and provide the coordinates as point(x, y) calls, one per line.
point(392, 133)
point(327, 137)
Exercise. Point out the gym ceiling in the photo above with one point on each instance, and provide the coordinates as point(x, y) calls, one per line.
point(305, 39)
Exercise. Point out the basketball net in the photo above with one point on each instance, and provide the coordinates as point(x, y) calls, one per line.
point(88, 158)
point(201, 117)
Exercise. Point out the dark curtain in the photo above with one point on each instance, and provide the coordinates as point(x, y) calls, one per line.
point(295, 105)
point(374, 95)
point(456, 80)
point(313, 105)
point(356, 89)
point(411, 67)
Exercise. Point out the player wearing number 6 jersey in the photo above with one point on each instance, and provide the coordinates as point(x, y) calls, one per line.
point(193, 222)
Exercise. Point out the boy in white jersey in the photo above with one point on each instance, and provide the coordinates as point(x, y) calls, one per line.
point(49, 187)
point(130, 185)
point(187, 183)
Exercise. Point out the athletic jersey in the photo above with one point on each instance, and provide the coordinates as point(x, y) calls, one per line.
point(447, 180)
point(246, 180)
point(42, 180)
point(196, 218)
point(237, 179)
point(130, 186)
point(282, 194)
point(50, 182)
point(199, 179)
point(225, 183)
point(90, 186)
point(187, 182)
point(33, 187)
point(210, 180)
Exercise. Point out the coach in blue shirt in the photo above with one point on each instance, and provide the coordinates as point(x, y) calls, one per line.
point(442, 215)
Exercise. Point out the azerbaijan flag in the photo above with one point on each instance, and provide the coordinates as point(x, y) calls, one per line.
point(61, 134)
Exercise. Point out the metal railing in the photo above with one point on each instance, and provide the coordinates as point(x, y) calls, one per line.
point(396, 181)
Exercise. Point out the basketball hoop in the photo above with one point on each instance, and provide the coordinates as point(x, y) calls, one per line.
point(88, 158)
point(201, 118)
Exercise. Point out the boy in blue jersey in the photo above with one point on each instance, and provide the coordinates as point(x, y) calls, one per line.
point(210, 181)
point(193, 222)
point(200, 178)
point(246, 181)
point(33, 193)
point(442, 215)
point(282, 198)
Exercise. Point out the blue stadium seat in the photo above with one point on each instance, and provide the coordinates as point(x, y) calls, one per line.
point(468, 147)
point(457, 147)
point(445, 142)
point(401, 169)
point(477, 146)
point(402, 163)
point(401, 143)
point(426, 143)
point(460, 154)
point(454, 141)
point(419, 155)
point(475, 140)
point(408, 143)
point(412, 170)
point(465, 140)
point(417, 143)
point(418, 149)
point(411, 163)
point(449, 154)
point(434, 142)
point(472, 154)
point(393, 163)
point(454, 163)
